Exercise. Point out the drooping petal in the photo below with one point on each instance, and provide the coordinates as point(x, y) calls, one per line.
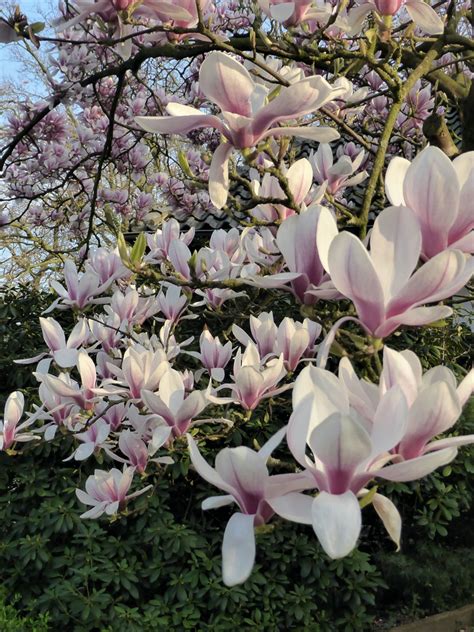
point(425, 17)
point(415, 317)
point(203, 468)
point(219, 175)
point(390, 517)
point(238, 549)
point(215, 502)
point(337, 522)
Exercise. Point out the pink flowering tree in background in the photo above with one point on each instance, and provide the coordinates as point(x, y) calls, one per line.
point(251, 218)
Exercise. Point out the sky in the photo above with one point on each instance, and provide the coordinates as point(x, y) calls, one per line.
point(35, 10)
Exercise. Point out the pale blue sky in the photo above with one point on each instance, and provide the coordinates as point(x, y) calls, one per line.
point(35, 10)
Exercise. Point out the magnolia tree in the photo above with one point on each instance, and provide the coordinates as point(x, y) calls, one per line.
point(298, 179)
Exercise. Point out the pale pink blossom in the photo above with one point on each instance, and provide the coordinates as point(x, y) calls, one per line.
point(346, 454)
point(441, 194)
point(253, 382)
point(382, 284)
point(336, 176)
point(10, 429)
point(171, 403)
point(247, 116)
point(420, 12)
point(243, 475)
point(213, 355)
point(107, 492)
point(304, 241)
point(434, 400)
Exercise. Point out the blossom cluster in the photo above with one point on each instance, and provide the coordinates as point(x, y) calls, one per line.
point(177, 334)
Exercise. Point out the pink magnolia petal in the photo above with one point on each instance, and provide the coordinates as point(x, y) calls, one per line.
point(431, 189)
point(227, 83)
point(424, 16)
point(394, 178)
point(300, 179)
point(416, 317)
point(204, 470)
point(435, 410)
point(244, 470)
point(219, 175)
point(320, 134)
point(302, 97)
point(413, 469)
point(440, 277)
point(449, 442)
point(395, 246)
point(216, 502)
point(178, 124)
point(354, 275)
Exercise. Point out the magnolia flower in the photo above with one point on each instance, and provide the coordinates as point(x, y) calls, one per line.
point(80, 290)
point(336, 176)
point(304, 241)
point(86, 395)
point(346, 455)
point(242, 473)
point(10, 431)
point(172, 404)
point(63, 353)
point(381, 284)
point(107, 492)
point(291, 339)
point(247, 116)
point(252, 382)
point(419, 11)
point(213, 355)
point(172, 304)
point(293, 13)
point(141, 369)
point(107, 264)
point(94, 438)
point(160, 242)
point(138, 453)
point(300, 180)
point(441, 194)
point(434, 400)
point(132, 307)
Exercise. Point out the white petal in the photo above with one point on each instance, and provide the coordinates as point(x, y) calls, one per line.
point(337, 522)
point(238, 549)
